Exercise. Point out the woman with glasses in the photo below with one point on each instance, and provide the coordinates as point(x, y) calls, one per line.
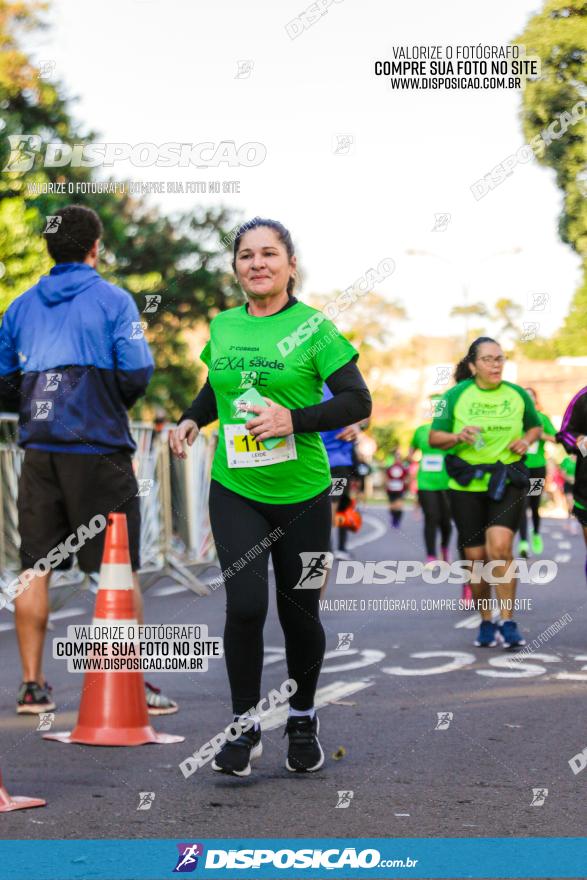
point(488, 425)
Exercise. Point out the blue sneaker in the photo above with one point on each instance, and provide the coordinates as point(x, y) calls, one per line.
point(511, 635)
point(486, 637)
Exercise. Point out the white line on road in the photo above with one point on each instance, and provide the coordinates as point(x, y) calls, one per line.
point(335, 691)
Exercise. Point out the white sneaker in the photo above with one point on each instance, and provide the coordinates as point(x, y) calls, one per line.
point(342, 554)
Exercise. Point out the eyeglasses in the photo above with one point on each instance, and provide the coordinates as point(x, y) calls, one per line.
point(499, 360)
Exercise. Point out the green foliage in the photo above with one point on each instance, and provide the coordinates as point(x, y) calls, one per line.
point(558, 35)
point(180, 258)
point(387, 437)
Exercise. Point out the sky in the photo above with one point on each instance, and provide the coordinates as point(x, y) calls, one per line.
point(157, 71)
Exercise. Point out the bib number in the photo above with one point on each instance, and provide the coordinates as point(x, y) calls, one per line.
point(533, 448)
point(431, 463)
point(242, 450)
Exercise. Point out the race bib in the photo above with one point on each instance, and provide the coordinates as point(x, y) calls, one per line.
point(432, 463)
point(242, 450)
point(395, 485)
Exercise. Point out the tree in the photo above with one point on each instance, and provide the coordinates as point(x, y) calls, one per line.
point(179, 262)
point(553, 118)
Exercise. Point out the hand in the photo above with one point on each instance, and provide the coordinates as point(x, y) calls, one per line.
point(350, 433)
point(582, 444)
point(468, 434)
point(272, 420)
point(520, 446)
point(187, 430)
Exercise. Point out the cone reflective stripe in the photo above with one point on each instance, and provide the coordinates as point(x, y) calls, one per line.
point(7, 803)
point(113, 707)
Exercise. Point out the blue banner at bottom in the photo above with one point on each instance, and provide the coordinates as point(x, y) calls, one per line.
point(346, 858)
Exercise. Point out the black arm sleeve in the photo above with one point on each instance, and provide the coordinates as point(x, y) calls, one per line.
point(203, 409)
point(351, 403)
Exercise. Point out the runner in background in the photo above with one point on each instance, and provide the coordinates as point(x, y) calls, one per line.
point(567, 469)
point(573, 436)
point(489, 425)
point(340, 449)
point(432, 495)
point(535, 461)
point(396, 479)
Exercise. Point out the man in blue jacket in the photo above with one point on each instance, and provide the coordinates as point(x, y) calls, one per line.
point(73, 359)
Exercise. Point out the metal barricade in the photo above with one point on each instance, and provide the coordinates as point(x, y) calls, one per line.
point(176, 539)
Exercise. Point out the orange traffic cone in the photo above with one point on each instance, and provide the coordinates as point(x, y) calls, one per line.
point(113, 708)
point(7, 803)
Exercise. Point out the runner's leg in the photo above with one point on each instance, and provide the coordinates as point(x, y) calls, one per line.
point(237, 527)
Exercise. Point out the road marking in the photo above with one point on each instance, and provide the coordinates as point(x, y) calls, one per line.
point(68, 612)
point(367, 657)
point(167, 591)
point(562, 557)
point(379, 529)
point(474, 620)
point(459, 659)
point(335, 691)
point(564, 545)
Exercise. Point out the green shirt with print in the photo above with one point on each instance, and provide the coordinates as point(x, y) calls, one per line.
point(503, 414)
point(432, 475)
point(285, 357)
point(535, 457)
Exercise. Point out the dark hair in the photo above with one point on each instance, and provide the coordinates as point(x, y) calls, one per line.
point(462, 371)
point(282, 233)
point(73, 237)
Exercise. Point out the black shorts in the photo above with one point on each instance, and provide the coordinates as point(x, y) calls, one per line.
point(568, 488)
point(395, 496)
point(60, 491)
point(474, 512)
point(346, 472)
point(581, 515)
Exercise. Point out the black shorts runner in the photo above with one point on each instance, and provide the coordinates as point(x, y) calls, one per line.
point(345, 472)
point(395, 496)
point(474, 512)
point(60, 491)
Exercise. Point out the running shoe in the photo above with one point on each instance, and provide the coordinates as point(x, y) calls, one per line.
point(537, 543)
point(158, 703)
point(235, 757)
point(431, 561)
point(33, 698)
point(342, 554)
point(486, 637)
point(510, 635)
point(304, 754)
point(523, 549)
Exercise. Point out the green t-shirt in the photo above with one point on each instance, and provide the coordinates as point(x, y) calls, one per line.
point(503, 414)
point(568, 466)
point(535, 456)
point(432, 473)
point(286, 357)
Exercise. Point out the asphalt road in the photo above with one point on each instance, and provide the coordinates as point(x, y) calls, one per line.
point(513, 729)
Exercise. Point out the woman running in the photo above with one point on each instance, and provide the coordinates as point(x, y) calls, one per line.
point(489, 425)
point(573, 436)
point(535, 461)
point(432, 495)
point(272, 497)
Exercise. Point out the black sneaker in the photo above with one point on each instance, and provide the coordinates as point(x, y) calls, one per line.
point(32, 698)
point(304, 754)
point(235, 757)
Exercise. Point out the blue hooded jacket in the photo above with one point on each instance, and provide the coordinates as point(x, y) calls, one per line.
point(339, 452)
point(73, 359)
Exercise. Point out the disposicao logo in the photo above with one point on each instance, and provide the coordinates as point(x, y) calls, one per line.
point(187, 860)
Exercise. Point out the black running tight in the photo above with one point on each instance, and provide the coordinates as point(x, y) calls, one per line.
point(436, 510)
point(245, 532)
